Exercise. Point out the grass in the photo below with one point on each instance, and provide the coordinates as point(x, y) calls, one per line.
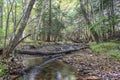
point(115, 54)
point(111, 48)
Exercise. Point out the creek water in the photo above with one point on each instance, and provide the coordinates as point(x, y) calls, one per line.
point(54, 70)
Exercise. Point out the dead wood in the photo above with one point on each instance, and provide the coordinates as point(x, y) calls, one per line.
point(52, 52)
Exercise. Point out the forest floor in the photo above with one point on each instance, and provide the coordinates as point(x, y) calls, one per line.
point(91, 66)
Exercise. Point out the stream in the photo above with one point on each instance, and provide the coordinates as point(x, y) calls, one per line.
point(44, 69)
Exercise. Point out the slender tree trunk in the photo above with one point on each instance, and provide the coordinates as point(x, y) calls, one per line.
point(24, 6)
point(44, 2)
point(9, 10)
point(1, 14)
point(101, 13)
point(13, 43)
point(113, 15)
point(14, 18)
point(50, 22)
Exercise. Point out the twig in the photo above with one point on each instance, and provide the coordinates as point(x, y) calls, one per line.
point(22, 39)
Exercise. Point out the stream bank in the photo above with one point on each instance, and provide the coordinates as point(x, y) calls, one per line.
point(89, 66)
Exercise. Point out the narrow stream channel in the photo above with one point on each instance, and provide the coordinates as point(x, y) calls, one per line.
point(55, 70)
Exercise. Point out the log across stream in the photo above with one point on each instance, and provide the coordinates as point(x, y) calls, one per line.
point(52, 49)
point(42, 63)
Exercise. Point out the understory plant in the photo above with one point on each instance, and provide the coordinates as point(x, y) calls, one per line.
point(111, 48)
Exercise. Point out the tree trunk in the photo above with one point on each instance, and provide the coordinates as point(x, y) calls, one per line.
point(14, 18)
point(17, 37)
point(24, 6)
point(44, 2)
point(113, 15)
point(92, 30)
point(1, 14)
point(50, 22)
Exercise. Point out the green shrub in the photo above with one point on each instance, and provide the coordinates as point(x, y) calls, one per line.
point(110, 48)
point(1, 36)
point(2, 70)
point(103, 47)
point(115, 54)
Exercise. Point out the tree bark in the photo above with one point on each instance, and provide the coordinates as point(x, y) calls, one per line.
point(113, 15)
point(1, 14)
point(50, 22)
point(17, 37)
point(24, 6)
point(92, 30)
point(44, 2)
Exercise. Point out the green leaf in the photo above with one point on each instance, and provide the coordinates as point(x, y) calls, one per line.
point(1, 0)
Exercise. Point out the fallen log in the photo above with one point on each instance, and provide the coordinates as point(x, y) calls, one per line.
point(42, 52)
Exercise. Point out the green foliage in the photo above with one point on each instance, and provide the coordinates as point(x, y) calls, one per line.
point(1, 0)
point(110, 48)
point(104, 4)
point(95, 25)
point(2, 70)
point(115, 54)
point(1, 32)
point(1, 36)
point(38, 4)
point(98, 21)
point(103, 47)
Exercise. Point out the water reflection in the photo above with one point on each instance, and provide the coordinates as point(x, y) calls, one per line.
point(56, 70)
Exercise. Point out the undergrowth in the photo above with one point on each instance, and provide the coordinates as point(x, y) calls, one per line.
point(115, 54)
point(111, 48)
point(2, 70)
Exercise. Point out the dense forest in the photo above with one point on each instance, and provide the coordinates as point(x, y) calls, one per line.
point(59, 40)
